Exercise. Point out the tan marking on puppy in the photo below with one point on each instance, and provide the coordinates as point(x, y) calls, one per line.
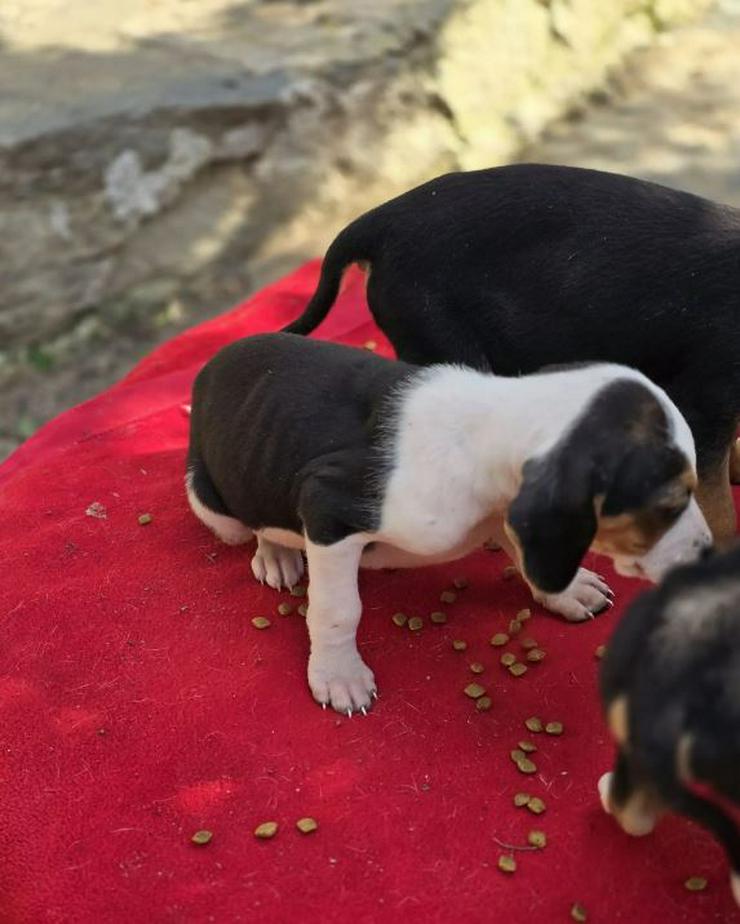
point(714, 496)
point(683, 758)
point(516, 547)
point(617, 720)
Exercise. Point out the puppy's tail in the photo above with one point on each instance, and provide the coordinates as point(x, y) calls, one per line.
point(349, 246)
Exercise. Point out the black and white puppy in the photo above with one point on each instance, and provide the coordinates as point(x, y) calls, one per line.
point(670, 683)
point(363, 461)
point(519, 267)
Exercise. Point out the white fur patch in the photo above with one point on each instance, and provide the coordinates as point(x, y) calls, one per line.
point(228, 530)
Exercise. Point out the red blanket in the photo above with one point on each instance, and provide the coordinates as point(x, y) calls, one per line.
point(138, 704)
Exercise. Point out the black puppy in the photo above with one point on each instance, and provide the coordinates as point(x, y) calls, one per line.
point(670, 683)
point(367, 462)
point(519, 267)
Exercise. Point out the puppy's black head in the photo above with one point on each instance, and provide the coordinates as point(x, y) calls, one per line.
point(615, 482)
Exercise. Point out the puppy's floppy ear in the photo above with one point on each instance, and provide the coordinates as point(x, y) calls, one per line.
point(552, 519)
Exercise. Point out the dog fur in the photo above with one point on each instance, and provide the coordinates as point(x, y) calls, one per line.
point(518, 267)
point(364, 461)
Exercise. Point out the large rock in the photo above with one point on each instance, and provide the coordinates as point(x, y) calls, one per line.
point(157, 164)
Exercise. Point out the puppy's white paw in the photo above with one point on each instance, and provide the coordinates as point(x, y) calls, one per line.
point(342, 681)
point(604, 787)
point(276, 565)
point(585, 597)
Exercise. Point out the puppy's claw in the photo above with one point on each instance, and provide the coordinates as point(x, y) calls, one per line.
point(363, 710)
point(323, 705)
point(349, 713)
point(374, 694)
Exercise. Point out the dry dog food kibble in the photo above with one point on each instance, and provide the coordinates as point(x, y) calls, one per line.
point(400, 619)
point(515, 627)
point(507, 863)
point(524, 615)
point(527, 746)
point(201, 837)
point(535, 655)
point(483, 703)
point(302, 610)
point(526, 766)
point(370, 345)
point(476, 667)
point(695, 884)
point(517, 754)
point(459, 645)
point(533, 724)
point(438, 617)
point(448, 596)
point(600, 651)
point(537, 839)
point(298, 591)
point(261, 622)
point(284, 609)
point(460, 583)
point(578, 913)
point(306, 825)
point(474, 690)
point(507, 659)
point(145, 519)
point(266, 830)
point(554, 728)
point(517, 669)
point(528, 643)
point(499, 639)
point(509, 572)
point(536, 806)
point(415, 623)
point(521, 799)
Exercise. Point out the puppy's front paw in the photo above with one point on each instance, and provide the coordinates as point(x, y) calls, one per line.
point(277, 565)
point(343, 682)
point(585, 597)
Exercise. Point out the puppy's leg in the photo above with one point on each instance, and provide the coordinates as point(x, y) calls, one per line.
point(714, 496)
point(337, 674)
point(276, 565)
point(634, 808)
point(201, 493)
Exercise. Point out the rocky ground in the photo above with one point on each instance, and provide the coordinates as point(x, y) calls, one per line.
point(671, 113)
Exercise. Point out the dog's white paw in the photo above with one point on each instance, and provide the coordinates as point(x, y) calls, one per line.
point(276, 565)
point(343, 682)
point(586, 596)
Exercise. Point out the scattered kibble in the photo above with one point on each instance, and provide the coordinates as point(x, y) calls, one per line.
point(306, 825)
point(438, 617)
point(535, 655)
point(526, 766)
point(303, 610)
point(261, 622)
point(517, 669)
point(460, 583)
point(483, 703)
point(490, 545)
point(400, 619)
point(536, 806)
point(517, 754)
point(533, 724)
point(695, 884)
point(298, 591)
point(527, 747)
point(145, 519)
point(509, 572)
point(507, 863)
point(266, 830)
point(416, 623)
point(507, 659)
point(448, 596)
point(474, 690)
point(521, 799)
point(370, 345)
point(578, 912)
point(600, 651)
point(515, 627)
point(201, 837)
point(524, 615)
point(528, 643)
point(554, 728)
point(537, 839)
point(459, 645)
point(476, 667)
point(500, 639)
point(285, 609)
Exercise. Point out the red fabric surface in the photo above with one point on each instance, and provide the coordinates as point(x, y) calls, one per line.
point(138, 704)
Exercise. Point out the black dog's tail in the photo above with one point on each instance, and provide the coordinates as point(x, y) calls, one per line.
point(352, 245)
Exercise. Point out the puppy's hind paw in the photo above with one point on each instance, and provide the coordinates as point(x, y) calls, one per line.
point(276, 565)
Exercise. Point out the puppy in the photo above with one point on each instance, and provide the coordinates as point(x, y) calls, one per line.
point(364, 461)
point(515, 268)
point(670, 683)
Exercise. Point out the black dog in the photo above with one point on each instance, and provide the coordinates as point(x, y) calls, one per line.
point(516, 268)
point(670, 683)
